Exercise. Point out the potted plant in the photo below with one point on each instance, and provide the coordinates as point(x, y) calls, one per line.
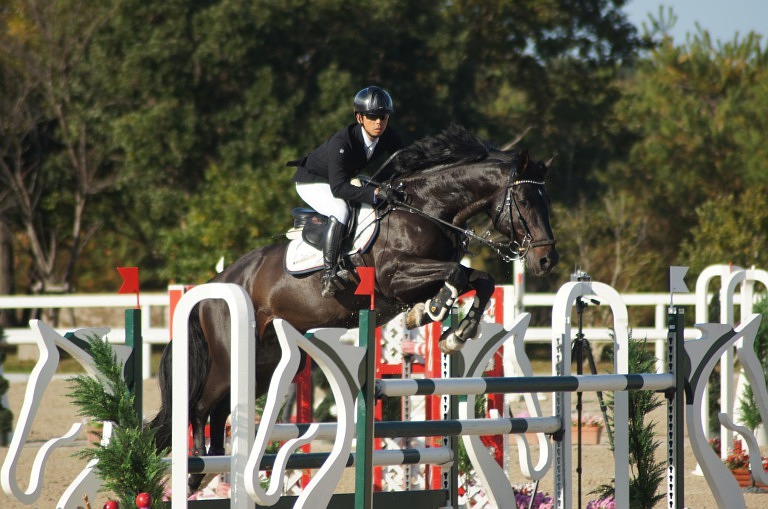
point(737, 462)
point(591, 429)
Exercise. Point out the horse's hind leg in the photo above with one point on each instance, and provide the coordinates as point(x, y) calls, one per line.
point(212, 402)
point(218, 419)
point(218, 423)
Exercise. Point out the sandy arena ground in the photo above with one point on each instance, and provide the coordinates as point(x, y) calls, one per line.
point(57, 415)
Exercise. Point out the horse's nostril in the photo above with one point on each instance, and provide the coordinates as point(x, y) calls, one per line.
point(549, 261)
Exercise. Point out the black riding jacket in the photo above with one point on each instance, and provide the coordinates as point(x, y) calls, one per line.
point(343, 157)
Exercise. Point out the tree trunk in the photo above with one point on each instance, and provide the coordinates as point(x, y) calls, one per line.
point(6, 272)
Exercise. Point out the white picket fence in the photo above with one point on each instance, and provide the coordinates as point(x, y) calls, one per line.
point(156, 333)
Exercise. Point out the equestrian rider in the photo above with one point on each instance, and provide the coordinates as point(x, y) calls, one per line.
point(323, 177)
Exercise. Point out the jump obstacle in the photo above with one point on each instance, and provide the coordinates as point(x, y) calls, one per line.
point(342, 363)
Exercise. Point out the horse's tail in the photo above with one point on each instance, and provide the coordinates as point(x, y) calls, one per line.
point(199, 365)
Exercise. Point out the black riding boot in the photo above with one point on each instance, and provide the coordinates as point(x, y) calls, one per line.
point(334, 232)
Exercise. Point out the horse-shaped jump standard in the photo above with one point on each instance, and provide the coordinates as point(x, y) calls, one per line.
point(448, 179)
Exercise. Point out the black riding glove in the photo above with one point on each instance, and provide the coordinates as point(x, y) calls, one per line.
point(389, 194)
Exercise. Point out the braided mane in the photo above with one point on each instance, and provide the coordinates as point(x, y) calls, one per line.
point(454, 145)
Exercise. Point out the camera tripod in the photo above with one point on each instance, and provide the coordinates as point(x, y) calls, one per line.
point(581, 348)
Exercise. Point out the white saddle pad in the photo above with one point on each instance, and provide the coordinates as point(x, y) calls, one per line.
point(301, 257)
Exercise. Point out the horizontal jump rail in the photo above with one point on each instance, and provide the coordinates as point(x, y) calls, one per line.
point(314, 460)
point(524, 384)
point(410, 429)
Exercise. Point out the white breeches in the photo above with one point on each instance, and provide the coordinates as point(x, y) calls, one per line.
point(318, 196)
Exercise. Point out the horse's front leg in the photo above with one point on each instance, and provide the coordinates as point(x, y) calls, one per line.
point(453, 339)
point(420, 275)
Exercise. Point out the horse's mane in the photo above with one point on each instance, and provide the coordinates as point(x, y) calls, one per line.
point(455, 145)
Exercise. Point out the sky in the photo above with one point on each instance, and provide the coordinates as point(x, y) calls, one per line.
point(722, 18)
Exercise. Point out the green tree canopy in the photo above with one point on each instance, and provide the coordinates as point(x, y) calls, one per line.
point(731, 228)
point(692, 110)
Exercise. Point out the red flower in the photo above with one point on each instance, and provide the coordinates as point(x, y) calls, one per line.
point(737, 457)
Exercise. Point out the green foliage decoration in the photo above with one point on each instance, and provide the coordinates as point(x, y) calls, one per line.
point(128, 464)
point(750, 412)
point(647, 474)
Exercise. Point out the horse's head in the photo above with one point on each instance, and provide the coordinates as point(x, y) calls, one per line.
point(522, 214)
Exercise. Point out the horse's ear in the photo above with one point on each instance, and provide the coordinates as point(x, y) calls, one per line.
point(522, 161)
point(549, 162)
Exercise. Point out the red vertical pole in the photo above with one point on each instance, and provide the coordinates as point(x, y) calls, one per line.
point(175, 292)
point(303, 381)
point(432, 410)
point(378, 414)
point(496, 401)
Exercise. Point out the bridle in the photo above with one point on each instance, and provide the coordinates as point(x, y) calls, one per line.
point(517, 249)
point(507, 251)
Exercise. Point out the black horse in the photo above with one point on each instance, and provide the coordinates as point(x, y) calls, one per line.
point(448, 179)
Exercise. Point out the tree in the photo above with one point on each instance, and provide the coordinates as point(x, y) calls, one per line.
point(734, 229)
point(54, 154)
point(692, 110)
point(169, 122)
point(607, 239)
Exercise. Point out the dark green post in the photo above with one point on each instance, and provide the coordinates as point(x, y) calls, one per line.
point(454, 368)
point(675, 408)
point(133, 371)
point(365, 412)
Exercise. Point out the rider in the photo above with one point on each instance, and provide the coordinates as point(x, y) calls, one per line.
point(323, 177)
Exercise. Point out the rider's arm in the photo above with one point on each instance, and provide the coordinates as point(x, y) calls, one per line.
point(344, 163)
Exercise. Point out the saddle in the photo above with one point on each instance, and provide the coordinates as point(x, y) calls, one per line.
point(305, 249)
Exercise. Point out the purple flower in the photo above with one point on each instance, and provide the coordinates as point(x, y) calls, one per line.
point(523, 498)
point(602, 503)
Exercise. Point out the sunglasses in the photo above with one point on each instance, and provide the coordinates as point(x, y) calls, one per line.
point(377, 117)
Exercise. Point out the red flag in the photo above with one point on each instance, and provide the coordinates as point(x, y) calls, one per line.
point(367, 282)
point(130, 281)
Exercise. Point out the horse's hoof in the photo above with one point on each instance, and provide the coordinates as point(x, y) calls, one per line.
point(196, 482)
point(414, 316)
point(450, 344)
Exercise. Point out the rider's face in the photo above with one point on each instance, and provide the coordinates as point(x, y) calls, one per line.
point(374, 125)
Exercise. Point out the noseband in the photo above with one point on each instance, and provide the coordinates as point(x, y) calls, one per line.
point(518, 249)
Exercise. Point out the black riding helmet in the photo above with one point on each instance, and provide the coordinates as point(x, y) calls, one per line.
point(373, 101)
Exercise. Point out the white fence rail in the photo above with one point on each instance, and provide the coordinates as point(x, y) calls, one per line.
point(158, 333)
point(152, 333)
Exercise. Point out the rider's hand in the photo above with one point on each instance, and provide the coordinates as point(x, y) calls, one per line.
point(388, 194)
